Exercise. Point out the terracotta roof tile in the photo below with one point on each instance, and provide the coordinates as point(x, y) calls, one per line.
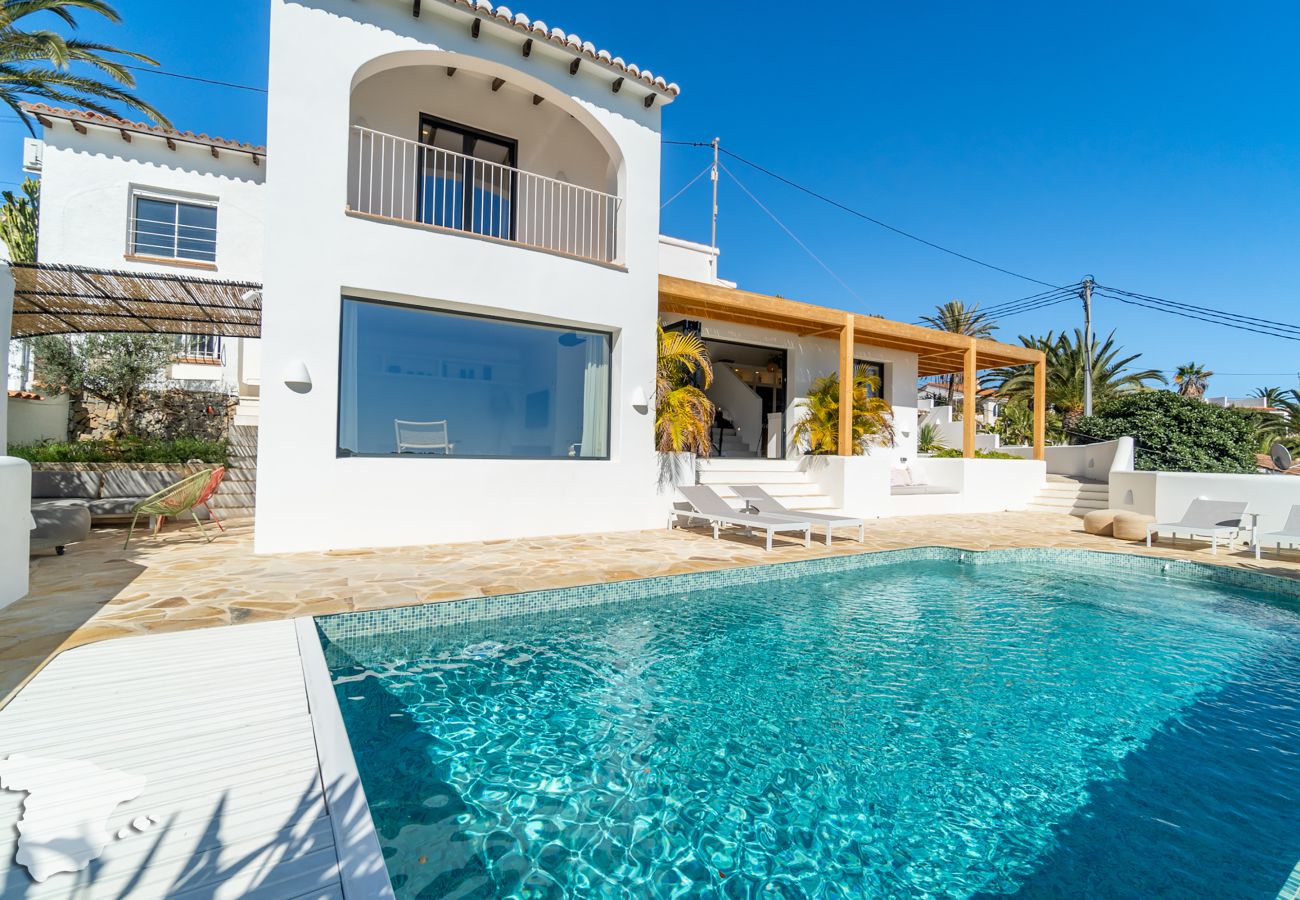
point(571, 42)
point(93, 118)
point(24, 395)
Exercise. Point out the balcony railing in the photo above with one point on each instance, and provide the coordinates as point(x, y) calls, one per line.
point(404, 180)
point(199, 348)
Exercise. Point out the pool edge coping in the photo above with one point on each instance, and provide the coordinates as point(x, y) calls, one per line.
point(362, 870)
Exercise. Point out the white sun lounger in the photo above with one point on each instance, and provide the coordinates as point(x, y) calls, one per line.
point(706, 504)
point(1205, 518)
point(1289, 535)
point(761, 500)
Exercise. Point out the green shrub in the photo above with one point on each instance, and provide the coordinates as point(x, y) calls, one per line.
point(1175, 433)
point(131, 450)
point(954, 453)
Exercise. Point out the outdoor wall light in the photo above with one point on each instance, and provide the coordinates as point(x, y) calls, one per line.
point(1128, 498)
point(296, 377)
point(639, 401)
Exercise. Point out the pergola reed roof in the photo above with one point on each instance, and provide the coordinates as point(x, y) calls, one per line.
point(51, 298)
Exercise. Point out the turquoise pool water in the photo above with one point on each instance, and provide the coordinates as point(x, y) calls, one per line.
point(921, 729)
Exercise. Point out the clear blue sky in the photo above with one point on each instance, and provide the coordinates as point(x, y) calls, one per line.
point(1155, 146)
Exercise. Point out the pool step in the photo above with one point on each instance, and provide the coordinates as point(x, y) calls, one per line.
point(1071, 496)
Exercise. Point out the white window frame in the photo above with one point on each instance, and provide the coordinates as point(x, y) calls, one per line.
point(177, 197)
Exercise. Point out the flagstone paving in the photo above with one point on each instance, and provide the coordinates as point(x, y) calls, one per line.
point(173, 582)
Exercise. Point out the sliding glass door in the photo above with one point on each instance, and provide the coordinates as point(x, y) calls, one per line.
point(467, 179)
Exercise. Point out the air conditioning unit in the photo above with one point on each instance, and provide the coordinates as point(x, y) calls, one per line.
point(33, 152)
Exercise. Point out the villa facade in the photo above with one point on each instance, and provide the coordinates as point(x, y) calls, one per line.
point(456, 230)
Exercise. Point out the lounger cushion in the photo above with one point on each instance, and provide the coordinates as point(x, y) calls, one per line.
point(54, 485)
point(59, 522)
point(136, 483)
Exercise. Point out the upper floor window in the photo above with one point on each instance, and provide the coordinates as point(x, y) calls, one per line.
point(468, 179)
point(173, 228)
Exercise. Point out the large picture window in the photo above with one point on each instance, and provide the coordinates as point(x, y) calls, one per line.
point(422, 382)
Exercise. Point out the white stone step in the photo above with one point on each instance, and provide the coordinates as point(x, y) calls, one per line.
point(768, 465)
point(750, 476)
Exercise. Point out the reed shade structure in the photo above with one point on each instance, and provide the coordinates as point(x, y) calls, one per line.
point(51, 298)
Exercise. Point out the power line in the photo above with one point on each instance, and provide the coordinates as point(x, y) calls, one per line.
point(703, 172)
point(861, 215)
point(212, 81)
point(1187, 315)
point(1250, 320)
point(792, 235)
point(1070, 290)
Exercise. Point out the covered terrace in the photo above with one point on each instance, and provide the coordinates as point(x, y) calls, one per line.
point(938, 352)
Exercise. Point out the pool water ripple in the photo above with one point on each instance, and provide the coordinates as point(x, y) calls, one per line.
point(911, 730)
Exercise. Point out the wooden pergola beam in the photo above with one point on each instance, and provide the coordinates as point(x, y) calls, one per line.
point(846, 386)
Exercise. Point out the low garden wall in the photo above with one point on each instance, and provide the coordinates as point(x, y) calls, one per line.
point(1166, 495)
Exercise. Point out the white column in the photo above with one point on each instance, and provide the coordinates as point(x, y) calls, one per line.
point(15, 476)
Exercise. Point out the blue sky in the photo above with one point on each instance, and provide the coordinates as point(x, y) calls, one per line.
point(1154, 146)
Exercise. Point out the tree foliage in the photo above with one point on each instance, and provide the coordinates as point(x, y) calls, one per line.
point(820, 426)
point(18, 221)
point(37, 62)
point(958, 318)
point(683, 412)
point(1175, 433)
point(1192, 379)
point(1112, 374)
point(115, 368)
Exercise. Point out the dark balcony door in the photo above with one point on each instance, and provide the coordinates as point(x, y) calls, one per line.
point(467, 179)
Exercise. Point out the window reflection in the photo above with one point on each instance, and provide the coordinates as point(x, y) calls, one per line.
point(415, 381)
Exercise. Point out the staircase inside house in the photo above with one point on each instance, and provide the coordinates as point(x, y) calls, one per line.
point(728, 443)
point(1071, 496)
point(236, 498)
point(785, 479)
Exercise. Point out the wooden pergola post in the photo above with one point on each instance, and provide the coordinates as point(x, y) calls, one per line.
point(969, 393)
point(1040, 408)
point(846, 386)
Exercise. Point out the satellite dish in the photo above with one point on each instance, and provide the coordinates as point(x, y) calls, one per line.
point(1281, 457)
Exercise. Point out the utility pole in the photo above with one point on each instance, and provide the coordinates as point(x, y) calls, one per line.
point(713, 234)
point(1086, 294)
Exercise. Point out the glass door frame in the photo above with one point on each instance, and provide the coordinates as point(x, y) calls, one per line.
point(469, 137)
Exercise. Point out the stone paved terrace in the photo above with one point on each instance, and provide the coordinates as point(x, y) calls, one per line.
point(176, 581)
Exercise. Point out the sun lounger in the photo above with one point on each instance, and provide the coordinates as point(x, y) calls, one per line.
point(1289, 535)
point(1205, 518)
point(760, 500)
point(706, 504)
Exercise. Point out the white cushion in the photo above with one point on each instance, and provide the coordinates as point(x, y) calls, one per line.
point(899, 476)
point(917, 474)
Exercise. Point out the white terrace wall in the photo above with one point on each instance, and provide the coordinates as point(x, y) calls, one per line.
point(1093, 461)
point(308, 497)
point(1166, 495)
point(810, 358)
point(860, 485)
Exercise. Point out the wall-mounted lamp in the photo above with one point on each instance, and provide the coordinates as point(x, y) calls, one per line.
point(296, 377)
point(639, 401)
point(1128, 498)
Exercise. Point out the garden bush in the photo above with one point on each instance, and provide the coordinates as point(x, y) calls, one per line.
point(955, 453)
point(129, 450)
point(1175, 433)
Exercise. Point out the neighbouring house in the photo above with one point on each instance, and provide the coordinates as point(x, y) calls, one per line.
point(453, 238)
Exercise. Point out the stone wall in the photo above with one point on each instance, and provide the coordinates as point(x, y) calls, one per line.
point(164, 414)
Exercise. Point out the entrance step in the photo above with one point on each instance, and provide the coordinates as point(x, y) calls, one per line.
point(785, 479)
point(1071, 496)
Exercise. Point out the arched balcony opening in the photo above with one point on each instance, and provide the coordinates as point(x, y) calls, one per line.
point(467, 146)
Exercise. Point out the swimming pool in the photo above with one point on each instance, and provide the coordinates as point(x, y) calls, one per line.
point(914, 725)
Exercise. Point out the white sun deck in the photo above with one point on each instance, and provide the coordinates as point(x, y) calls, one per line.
point(236, 745)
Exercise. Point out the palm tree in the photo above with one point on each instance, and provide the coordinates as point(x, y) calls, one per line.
point(820, 427)
point(683, 412)
point(1066, 365)
point(1192, 379)
point(1274, 397)
point(958, 318)
point(36, 63)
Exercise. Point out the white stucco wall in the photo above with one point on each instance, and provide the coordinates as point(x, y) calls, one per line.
point(1095, 462)
point(308, 498)
point(15, 481)
point(810, 358)
point(687, 259)
point(1166, 495)
point(86, 188)
point(36, 421)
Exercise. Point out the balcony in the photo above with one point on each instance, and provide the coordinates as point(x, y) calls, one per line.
point(400, 180)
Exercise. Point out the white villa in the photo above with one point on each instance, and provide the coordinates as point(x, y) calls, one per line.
point(450, 250)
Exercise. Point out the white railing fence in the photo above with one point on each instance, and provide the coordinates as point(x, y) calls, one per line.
point(200, 347)
point(401, 179)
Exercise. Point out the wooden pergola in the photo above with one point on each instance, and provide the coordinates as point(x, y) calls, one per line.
point(938, 352)
point(51, 298)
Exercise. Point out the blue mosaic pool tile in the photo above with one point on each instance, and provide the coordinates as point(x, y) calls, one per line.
point(457, 612)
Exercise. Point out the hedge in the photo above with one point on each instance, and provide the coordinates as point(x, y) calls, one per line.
point(1175, 433)
point(129, 450)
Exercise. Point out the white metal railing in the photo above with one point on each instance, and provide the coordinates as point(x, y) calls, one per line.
point(173, 240)
point(200, 348)
point(406, 180)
